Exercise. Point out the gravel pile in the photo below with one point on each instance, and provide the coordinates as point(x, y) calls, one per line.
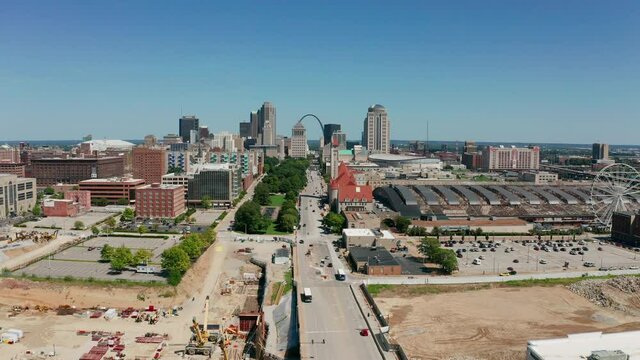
point(596, 290)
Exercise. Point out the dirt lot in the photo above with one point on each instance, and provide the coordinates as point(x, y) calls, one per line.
point(494, 323)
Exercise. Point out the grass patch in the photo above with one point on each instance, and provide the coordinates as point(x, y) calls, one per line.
point(271, 230)
point(274, 292)
point(385, 290)
point(288, 281)
point(88, 281)
point(276, 200)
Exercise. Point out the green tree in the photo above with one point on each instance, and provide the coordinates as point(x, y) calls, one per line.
point(335, 222)
point(78, 225)
point(261, 194)
point(106, 229)
point(175, 262)
point(122, 201)
point(142, 229)
point(287, 222)
point(417, 231)
point(402, 223)
point(106, 253)
point(205, 202)
point(121, 258)
point(142, 256)
point(193, 245)
point(174, 170)
point(248, 217)
point(127, 215)
point(95, 230)
point(37, 210)
point(428, 247)
point(49, 191)
point(447, 260)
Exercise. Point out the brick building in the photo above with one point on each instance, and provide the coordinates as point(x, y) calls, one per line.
point(60, 208)
point(81, 197)
point(17, 169)
point(625, 228)
point(511, 158)
point(160, 201)
point(149, 163)
point(373, 261)
point(361, 220)
point(112, 189)
point(52, 171)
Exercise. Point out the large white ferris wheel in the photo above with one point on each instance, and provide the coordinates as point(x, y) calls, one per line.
point(613, 189)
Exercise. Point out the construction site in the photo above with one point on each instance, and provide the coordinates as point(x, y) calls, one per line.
point(494, 322)
point(215, 312)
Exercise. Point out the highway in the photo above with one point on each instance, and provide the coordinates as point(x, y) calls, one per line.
point(331, 322)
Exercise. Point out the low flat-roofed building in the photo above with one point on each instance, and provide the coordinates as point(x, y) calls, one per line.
point(60, 208)
point(373, 261)
point(280, 256)
point(361, 219)
point(112, 189)
point(385, 239)
point(539, 177)
point(591, 346)
point(358, 237)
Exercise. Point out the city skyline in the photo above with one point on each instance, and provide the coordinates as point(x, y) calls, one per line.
point(497, 71)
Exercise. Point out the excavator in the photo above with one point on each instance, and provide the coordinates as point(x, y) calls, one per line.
point(201, 342)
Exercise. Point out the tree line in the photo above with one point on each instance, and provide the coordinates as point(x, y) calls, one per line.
point(177, 259)
point(289, 178)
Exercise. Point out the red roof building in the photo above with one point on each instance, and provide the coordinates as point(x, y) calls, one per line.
point(345, 194)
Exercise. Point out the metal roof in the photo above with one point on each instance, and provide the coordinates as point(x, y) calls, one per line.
point(551, 199)
point(428, 195)
point(390, 197)
point(570, 199)
point(450, 196)
point(532, 199)
point(585, 197)
point(472, 197)
point(512, 198)
point(407, 195)
point(491, 197)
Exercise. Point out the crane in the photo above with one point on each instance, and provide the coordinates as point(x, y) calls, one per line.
point(201, 336)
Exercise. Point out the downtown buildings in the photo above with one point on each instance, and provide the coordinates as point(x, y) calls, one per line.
point(52, 171)
point(189, 127)
point(299, 147)
point(160, 201)
point(376, 134)
point(511, 158)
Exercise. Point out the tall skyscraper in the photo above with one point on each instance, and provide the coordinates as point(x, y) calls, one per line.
point(376, 130)
point(255, 124)
point(599, 152)
point(328, 131)
point(339, 140)
point(245, 129)
point(298, 141)
point(186, 124)
point(266, 117)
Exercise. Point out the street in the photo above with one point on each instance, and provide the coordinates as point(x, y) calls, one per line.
point(331, 323)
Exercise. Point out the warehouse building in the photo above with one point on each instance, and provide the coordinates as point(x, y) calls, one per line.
point(590, 346)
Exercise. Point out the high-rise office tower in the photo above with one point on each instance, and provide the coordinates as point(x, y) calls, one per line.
point(599, 152)
point(339, 140)
point(245, 129)
point(267, 124)
point(255, 124)
point(376, 130)
point(186, 124)
point(328, 131)
point(298, 141)
point(470, 147)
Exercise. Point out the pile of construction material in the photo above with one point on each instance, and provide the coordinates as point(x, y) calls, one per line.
point(603, 292)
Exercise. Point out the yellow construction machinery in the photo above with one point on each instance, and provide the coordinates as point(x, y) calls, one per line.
point(201, 342)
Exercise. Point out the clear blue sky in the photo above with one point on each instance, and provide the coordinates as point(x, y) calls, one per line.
point(531, 71)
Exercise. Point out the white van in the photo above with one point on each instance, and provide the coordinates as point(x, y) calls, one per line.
point(477, 261)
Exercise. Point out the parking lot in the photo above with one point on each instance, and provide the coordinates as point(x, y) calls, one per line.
point(475, 257)
point(82, 261)
point(88, 219)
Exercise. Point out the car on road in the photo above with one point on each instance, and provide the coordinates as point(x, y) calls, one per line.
point(543, 261)
point(589, 264)
point(364, 332)
point(505, 274)
point(301, 241)
point(516, 261)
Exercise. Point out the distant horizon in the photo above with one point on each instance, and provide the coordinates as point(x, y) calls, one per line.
point(460, 142)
